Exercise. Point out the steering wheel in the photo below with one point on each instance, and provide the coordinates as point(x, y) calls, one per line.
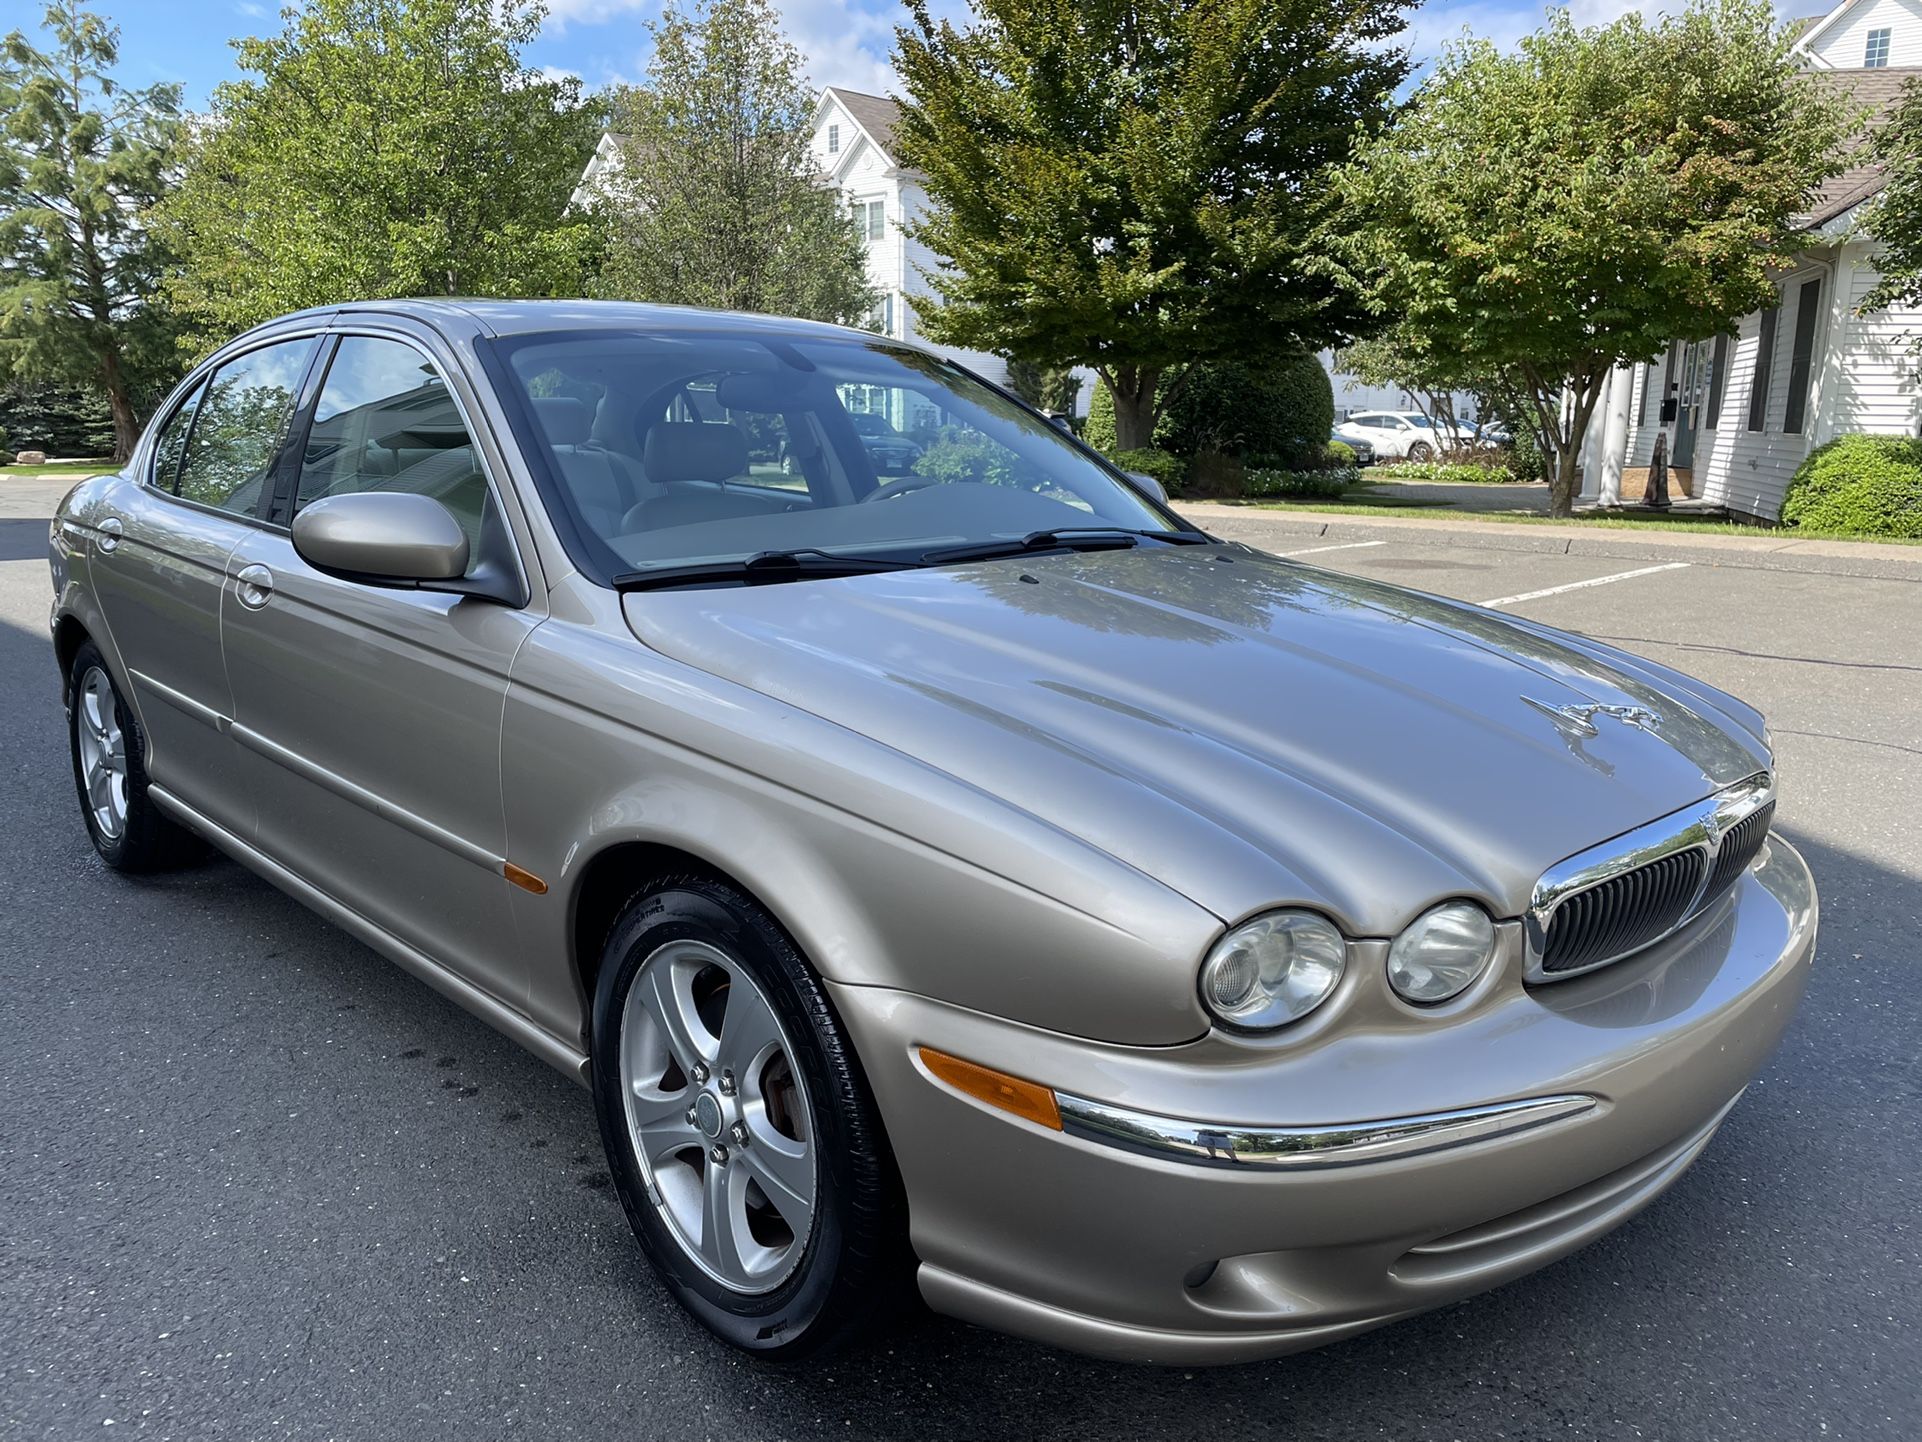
point(898, 487)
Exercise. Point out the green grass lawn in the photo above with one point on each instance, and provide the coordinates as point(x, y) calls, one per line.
point(1361, 503)
point(78, 470)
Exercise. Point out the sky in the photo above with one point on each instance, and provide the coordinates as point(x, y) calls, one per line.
point(845, 42)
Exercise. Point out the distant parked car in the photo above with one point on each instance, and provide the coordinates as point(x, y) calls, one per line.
point(892, 453)
point(1396, 435)
point(1364, 451)
point(1494, 433)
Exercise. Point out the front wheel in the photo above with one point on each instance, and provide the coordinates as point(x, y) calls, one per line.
point(740, 1133)
point(1421, 451)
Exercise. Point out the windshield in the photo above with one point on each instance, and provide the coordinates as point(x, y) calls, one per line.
point(699, 449)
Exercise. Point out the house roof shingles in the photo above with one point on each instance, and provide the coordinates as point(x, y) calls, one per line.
point(1879, 90)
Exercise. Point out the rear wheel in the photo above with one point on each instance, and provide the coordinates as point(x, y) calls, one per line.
point(110, 774)
point(740, 1133)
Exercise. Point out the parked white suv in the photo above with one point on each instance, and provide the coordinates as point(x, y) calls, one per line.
point(1395, 435)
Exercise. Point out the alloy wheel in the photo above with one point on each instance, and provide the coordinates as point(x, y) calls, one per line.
point(717, 1115)
point(103, 753)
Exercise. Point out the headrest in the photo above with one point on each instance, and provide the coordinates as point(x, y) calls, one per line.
point(565, 419)
point(694, 451)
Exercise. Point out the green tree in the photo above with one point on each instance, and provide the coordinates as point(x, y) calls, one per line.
point(1579, 203)
point(82, 161)
point(382, 148)
point(1896, 219)
point(1135, 184)
point(716, 200)
point(1277, 413)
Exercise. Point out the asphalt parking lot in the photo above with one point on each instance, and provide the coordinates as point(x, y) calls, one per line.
point(255, 1181)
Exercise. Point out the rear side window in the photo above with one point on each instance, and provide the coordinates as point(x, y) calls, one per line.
point(384, 421)
point(172, 442)
point(239, 425)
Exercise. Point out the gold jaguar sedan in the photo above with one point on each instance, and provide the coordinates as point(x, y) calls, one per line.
point(945, 865)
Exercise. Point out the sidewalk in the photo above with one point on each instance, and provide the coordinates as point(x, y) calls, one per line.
point(1765, 550)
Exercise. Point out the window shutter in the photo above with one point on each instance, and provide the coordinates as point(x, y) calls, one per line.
point(1801, 354)
point(1758, 395)
point(1717, 373)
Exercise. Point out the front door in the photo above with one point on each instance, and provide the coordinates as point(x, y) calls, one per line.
point(371, 717)
point(1690, 398)
point(159, 577)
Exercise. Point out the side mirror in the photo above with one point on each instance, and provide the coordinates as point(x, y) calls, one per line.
point(382, 538)
point(1061, 421)
point(1145, 482)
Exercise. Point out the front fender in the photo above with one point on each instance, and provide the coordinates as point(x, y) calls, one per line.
point(886, 872)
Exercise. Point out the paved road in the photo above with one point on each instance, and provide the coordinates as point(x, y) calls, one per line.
point(254, 1181)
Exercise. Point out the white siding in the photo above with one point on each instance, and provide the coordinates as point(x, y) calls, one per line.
point(1874, 385)
point(1843, 45)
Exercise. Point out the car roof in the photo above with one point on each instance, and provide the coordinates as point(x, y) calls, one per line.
point(521, 317)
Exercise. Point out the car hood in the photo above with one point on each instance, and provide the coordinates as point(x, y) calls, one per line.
point(1249, 731)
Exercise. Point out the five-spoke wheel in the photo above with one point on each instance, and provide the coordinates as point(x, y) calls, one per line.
point(103, 753)
point(741, 1135)
point(719, 1124)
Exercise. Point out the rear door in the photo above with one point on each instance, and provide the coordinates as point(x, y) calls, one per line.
point(159, 566)
point(372, 716)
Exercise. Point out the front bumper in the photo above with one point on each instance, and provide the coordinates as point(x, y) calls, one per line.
point(1113, 1244)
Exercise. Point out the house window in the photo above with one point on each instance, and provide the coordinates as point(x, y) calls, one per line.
point(1875, 55)
point(1801, 353)
point(1717, 374)
point(871, 218)
point(881, 315)
point(1758, 395)
point(834, 140)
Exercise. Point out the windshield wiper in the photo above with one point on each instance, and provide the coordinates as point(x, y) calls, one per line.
point(1062, 538)
point(760, 569)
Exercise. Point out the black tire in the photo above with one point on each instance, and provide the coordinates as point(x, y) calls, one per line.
point(149, 840)
point(1421, 451)
point(856, 1266)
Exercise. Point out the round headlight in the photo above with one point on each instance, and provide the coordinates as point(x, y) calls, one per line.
point(1273, 970)
point(1441, 952)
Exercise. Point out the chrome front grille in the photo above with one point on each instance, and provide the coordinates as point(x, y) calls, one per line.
point(1613, 900)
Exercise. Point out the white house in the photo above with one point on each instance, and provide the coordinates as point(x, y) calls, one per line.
point(1748, 407)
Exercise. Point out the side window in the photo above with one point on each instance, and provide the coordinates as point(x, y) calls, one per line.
point(239, 425)
point(172, 441)
point(385, 422)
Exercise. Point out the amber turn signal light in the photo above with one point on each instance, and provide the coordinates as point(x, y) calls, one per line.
point(1027, 1100)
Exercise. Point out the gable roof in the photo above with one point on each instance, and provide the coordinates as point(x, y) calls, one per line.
point(875, 114)
point(1815, 27)
point(1861, 178)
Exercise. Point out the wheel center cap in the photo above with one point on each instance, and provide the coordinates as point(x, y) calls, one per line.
point(707, 1114)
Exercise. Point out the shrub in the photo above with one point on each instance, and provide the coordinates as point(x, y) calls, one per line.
point(1283, 411)
point(1339, 453)
point(1324, 481)
point(1098, 429)
point(6, 458)
point(964, 455)
point(1525, 459)
point(1457, 473)
point(1171, 471)
point(1859, 486)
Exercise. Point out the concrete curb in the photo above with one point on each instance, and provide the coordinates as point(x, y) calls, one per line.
point(1766, 551)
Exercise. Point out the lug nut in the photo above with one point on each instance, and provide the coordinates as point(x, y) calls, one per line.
point(700, 1072)
point(739, 1132)
point(727, 1082)
point(692, 1119)
point(718, 1154)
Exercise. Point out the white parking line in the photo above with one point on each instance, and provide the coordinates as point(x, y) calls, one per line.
point(1344, 546)
point(1594, 581)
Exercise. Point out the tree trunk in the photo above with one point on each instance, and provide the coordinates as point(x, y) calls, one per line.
point(1566, 481)
point(1134, 418)
point(126, 429)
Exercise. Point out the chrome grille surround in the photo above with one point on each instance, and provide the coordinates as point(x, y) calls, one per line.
point(1681, 850)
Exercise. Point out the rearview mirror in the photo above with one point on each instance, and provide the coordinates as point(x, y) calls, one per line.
point(1145, 482)
point(383, 538)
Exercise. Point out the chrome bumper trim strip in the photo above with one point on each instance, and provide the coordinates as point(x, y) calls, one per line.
point(1307, 1148)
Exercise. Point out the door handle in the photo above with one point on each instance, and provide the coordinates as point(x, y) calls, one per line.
point(110, 533)
point(254, 586)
